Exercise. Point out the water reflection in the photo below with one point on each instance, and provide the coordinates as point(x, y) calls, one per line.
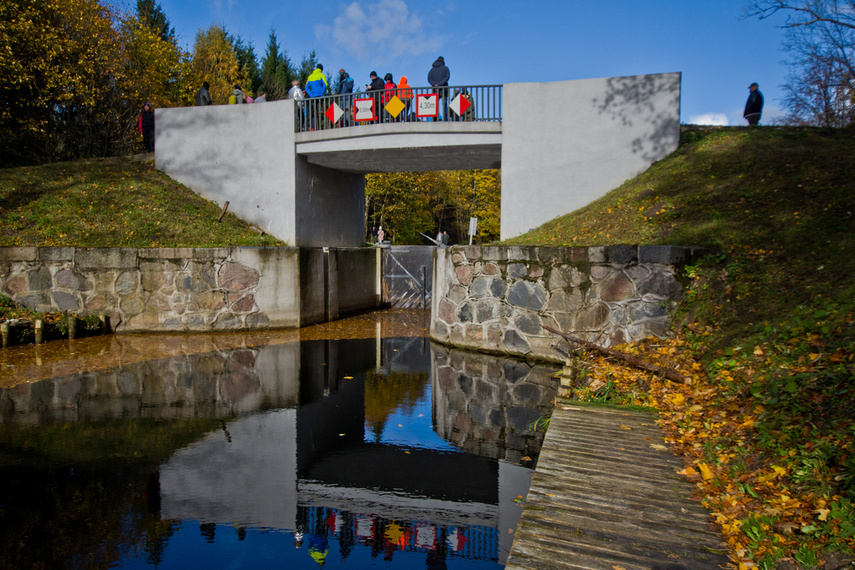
point(366, 451)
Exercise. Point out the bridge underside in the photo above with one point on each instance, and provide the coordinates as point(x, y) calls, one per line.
point(416, 159)
point(404, 147)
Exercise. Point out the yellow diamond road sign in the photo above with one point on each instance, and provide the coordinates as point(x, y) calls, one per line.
point(394, 106)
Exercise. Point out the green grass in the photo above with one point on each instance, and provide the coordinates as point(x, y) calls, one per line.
point(111, 203)
point(770, 321)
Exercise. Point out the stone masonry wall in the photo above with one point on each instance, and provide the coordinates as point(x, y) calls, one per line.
point(498, 298)
point(170, 289)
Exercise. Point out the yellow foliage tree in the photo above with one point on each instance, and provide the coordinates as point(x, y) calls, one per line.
point(215, 61)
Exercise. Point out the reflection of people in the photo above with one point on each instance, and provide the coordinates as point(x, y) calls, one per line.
point(203, 96)
point(438, 77)
point(754, 105)
point(147, 127)
point(318, 549)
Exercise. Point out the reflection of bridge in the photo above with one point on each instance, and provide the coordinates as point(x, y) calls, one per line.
point(560, 145)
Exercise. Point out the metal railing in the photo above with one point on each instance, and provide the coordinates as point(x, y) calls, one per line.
point(483, 103)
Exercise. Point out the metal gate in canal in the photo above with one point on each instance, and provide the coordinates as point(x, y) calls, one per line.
point(407, 276)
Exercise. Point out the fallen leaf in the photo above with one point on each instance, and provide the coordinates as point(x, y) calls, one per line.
point(706, 473)
point(621, 426)
point(658, 446)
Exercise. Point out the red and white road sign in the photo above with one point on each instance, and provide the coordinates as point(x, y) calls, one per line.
point(333, 113)
point(459, 104)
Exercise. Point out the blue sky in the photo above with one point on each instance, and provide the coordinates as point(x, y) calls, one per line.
point(719, 51)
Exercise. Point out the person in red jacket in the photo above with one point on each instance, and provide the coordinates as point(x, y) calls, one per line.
point(389, 89)
point(146, 125)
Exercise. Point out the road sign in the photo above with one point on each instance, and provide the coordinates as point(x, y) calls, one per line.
point(427, 105)
point(395, 106)
point(459, 104)
point(364, 109)
point(333, 113)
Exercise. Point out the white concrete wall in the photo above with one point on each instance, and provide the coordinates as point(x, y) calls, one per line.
point(567, 143)
point(243, 154)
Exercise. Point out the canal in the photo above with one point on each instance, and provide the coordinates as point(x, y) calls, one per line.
point(353, 444)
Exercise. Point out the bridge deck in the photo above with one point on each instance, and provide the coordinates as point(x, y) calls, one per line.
point(603, 497)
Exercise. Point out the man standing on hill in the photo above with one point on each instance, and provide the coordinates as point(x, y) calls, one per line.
point(754, 106)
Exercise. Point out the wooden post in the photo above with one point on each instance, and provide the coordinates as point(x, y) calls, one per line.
point(103, 319)
point(72, 326)
point(223, 212)
point(40, 329)
point(4, 330)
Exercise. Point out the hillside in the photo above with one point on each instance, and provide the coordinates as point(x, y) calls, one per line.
point(767, 428)
point(118, 202)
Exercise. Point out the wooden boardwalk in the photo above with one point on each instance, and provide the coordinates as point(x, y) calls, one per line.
point(606, 495)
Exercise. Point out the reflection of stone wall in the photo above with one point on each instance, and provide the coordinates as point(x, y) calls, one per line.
point(486, 404)
point(215, 384)
point(498, 298)
point(179, 289)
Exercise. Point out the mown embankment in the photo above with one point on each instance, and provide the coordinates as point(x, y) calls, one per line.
point(767, 426)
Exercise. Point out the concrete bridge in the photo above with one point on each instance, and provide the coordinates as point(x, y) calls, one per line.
point(559, 145)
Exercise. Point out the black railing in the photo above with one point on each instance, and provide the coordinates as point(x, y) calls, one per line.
point(482, 103)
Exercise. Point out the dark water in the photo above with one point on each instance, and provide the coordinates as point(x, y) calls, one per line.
point(392, 453)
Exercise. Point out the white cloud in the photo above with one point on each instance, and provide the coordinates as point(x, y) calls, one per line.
point(383, 28)
point(714, 119)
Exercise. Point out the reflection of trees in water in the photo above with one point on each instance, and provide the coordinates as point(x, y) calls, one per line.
point(95, 518)
point(138, 439)
point(385, 393)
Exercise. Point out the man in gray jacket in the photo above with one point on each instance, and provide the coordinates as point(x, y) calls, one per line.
point(438, 77)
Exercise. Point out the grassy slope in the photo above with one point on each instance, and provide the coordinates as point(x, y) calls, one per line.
point(766, 330)
point(111, 203)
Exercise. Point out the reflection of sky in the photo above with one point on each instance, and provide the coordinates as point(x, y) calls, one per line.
point(412, 427)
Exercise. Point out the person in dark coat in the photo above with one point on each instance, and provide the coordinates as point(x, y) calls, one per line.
point(754, 105)
point(377, 86)
point(438, 77)
point(146, 125)
point(203, 96)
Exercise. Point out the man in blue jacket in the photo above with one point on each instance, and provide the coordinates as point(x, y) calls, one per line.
point(316, 86)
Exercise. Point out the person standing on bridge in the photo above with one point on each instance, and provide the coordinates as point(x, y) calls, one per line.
point(375, 88)
point(203, 96)
point(345, 88)
point(389, 89)
point(316, 86)
point(405, 94)
point(438, 77)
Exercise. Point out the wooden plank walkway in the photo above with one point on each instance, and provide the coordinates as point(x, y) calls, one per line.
point(604, 498)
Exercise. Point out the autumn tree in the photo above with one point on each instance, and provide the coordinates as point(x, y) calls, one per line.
point(215, 61)
point(276, 70)
point(410, 204)
point(57, 80)
point(821, 46)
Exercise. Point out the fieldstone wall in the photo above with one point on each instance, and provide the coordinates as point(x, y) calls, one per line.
point(498, 298)
point(179, 289)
